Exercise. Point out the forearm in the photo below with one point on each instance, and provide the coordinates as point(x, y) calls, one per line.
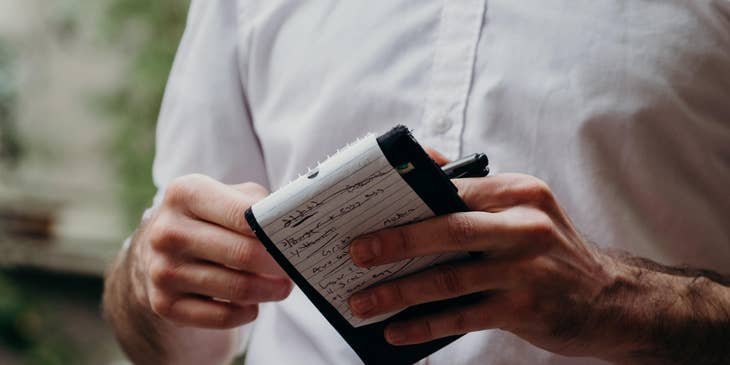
point(148, 339)
point(667, 315)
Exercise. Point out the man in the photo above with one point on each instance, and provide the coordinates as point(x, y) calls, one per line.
point(621, 108)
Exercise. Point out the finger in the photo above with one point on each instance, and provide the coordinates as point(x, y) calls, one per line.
point(502, 191)
point(436, 156)
point(486, 314)
point(497, 233)
point(441, 282)
point(206, 313)
point(215, 244)
point(222, 283)
point(213, 201)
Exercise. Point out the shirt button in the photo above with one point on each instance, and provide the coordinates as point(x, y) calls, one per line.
point(442, 125)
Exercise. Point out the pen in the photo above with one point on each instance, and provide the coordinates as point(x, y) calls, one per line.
point(474, 165)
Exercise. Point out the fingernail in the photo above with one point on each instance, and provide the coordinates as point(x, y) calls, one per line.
point(362, 303)
point(396, 334)
point(364, 250)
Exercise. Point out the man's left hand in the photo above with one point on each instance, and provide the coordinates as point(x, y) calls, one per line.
point(539, 277)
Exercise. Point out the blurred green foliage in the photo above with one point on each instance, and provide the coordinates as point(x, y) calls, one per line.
point(151, 31)
point(10, 146)
point(28, 328)
point(148, 32)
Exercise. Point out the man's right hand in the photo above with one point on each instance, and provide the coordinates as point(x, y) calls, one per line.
point(197, 263)
point(194, 263)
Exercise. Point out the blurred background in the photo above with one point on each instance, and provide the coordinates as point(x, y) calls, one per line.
point(80, 88)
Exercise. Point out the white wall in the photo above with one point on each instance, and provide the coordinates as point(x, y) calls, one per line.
point(59, 72)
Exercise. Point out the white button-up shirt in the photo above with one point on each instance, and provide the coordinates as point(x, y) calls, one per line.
point(622, 106)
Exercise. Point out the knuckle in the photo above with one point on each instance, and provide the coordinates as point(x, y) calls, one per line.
point(538, 191)
point(157, 241)
point(166, 235)
point(447, 280)
point(404, 238)
point(540, 226)
point(428, 328)
point(391, 295)
point(161, 304)
point(162, 274)
point(251, 313)
point(242, 254)
point(235, 215)
point(540, 271)
point(460, 322)
point(460, 228)
point(287, 289)
point(224, 318)
point(177, 191)
point(183, 189)
point(240, 289)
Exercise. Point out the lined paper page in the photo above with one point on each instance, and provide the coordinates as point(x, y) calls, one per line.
point(313, 219)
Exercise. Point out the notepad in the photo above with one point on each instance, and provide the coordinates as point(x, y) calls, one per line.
point(312, 221)
point(375, 183)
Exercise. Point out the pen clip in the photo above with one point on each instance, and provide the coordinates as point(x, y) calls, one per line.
point(474, 165)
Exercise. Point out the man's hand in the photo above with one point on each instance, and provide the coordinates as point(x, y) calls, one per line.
point(534, 265)
point(538, 278)
point(198, 262)
point(194, 263)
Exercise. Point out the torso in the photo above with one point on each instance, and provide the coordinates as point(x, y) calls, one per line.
point(622, 107)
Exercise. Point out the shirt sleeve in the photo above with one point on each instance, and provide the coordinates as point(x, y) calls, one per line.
point(204, 124)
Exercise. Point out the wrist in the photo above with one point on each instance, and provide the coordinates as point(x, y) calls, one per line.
point(617, 312)
point(658, 316)
point(126, 308)
point(624, 315)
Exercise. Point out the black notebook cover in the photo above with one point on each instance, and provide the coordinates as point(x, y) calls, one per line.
point(429, 182)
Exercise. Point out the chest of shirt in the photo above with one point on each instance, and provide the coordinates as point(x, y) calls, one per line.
point(600, 99)
point(333, 70)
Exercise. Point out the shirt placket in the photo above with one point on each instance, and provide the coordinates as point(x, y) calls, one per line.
point(451, 75)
